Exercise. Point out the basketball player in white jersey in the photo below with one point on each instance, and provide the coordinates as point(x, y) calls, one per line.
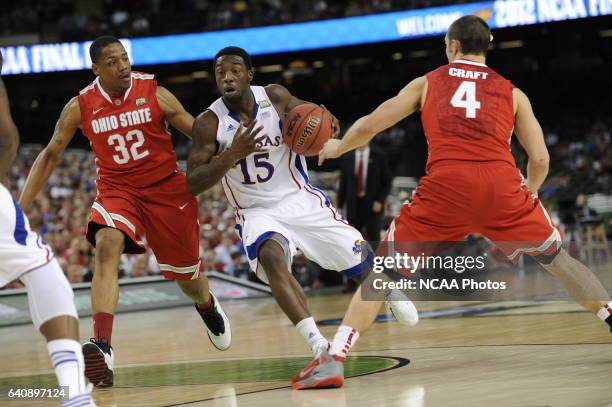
point(277, 210)
point(24, 256)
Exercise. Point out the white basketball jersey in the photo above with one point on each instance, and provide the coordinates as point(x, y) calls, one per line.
point(262, 179)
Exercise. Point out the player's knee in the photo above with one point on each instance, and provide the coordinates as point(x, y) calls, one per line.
point(189, 287)
point(109, 243)
point(556, 262)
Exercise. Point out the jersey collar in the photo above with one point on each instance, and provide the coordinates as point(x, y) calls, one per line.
point(465, 61)
point(235, 116)
point(107, 96)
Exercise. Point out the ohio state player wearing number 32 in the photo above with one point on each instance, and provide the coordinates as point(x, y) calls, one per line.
point(141, 191)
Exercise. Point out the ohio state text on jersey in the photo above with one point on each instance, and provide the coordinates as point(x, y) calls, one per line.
point(128, 134)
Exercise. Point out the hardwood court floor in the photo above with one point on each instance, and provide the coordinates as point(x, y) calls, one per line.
point(461, 354)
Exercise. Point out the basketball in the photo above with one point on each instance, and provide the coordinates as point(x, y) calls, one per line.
point(306, 129)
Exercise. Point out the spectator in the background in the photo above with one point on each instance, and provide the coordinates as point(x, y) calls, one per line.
point(74, 272)
point(583, 214)
point(304, 271)
point(223, 255)
point(365, 183)
point(128, 18)
point(240, 264)
point(140, 267)
point(140, 25)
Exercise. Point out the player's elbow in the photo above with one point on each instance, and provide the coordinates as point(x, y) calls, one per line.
point(541, 160)
point(9, 137)
point(191, 188)
point(194, 187)
point(51, 154)
point(365, 126)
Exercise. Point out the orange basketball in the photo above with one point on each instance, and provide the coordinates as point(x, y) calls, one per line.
point(306, 129)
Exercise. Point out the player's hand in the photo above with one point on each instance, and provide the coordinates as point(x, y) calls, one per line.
point(532, 188)
point(330, 150)
point(247, 141)
point(335, 124)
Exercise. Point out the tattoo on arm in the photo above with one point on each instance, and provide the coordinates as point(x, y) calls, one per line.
point(66, 126)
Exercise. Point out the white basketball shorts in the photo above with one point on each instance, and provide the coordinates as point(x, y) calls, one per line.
point(308, 222)
point(21, 249)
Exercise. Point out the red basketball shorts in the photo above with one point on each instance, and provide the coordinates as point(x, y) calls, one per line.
point(488, 199)
point(165, 213)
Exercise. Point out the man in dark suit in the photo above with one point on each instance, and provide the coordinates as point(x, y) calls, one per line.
point(364, 185)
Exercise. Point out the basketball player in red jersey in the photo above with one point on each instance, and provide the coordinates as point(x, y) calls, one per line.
point(124, 115)
point(472, 183)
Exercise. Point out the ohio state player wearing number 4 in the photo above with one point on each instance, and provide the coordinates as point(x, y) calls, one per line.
point(472, 184)
point(124, 115)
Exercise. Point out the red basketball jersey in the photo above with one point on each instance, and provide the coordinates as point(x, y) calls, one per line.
point(128, 134)
point(468, 114)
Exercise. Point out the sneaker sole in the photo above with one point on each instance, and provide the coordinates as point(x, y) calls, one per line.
point(327, 383)
point(210, 337)
point(96, 369)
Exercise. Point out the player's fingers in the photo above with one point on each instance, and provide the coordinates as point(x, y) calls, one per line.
point(254, 133)
point(322, 156)
point(335, 130)
point(250, 126)
point(260, 139)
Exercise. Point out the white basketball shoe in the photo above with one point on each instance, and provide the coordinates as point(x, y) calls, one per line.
point(402, 308)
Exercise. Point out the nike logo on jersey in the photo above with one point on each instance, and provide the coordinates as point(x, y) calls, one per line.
point(97, 110)
point(183, 206)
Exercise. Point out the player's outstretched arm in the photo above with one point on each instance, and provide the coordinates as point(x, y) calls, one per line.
point(9, 136)
point(204, 168)
point(406, 102)
point(174, 111)
point(531, 137)
point(65, 128)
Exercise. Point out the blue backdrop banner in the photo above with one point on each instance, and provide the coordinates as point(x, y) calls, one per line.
point(305, 36)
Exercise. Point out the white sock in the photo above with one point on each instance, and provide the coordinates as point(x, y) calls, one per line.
point(344, 340)
point(67, 359)
point(309, 331)
point(605, 311)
